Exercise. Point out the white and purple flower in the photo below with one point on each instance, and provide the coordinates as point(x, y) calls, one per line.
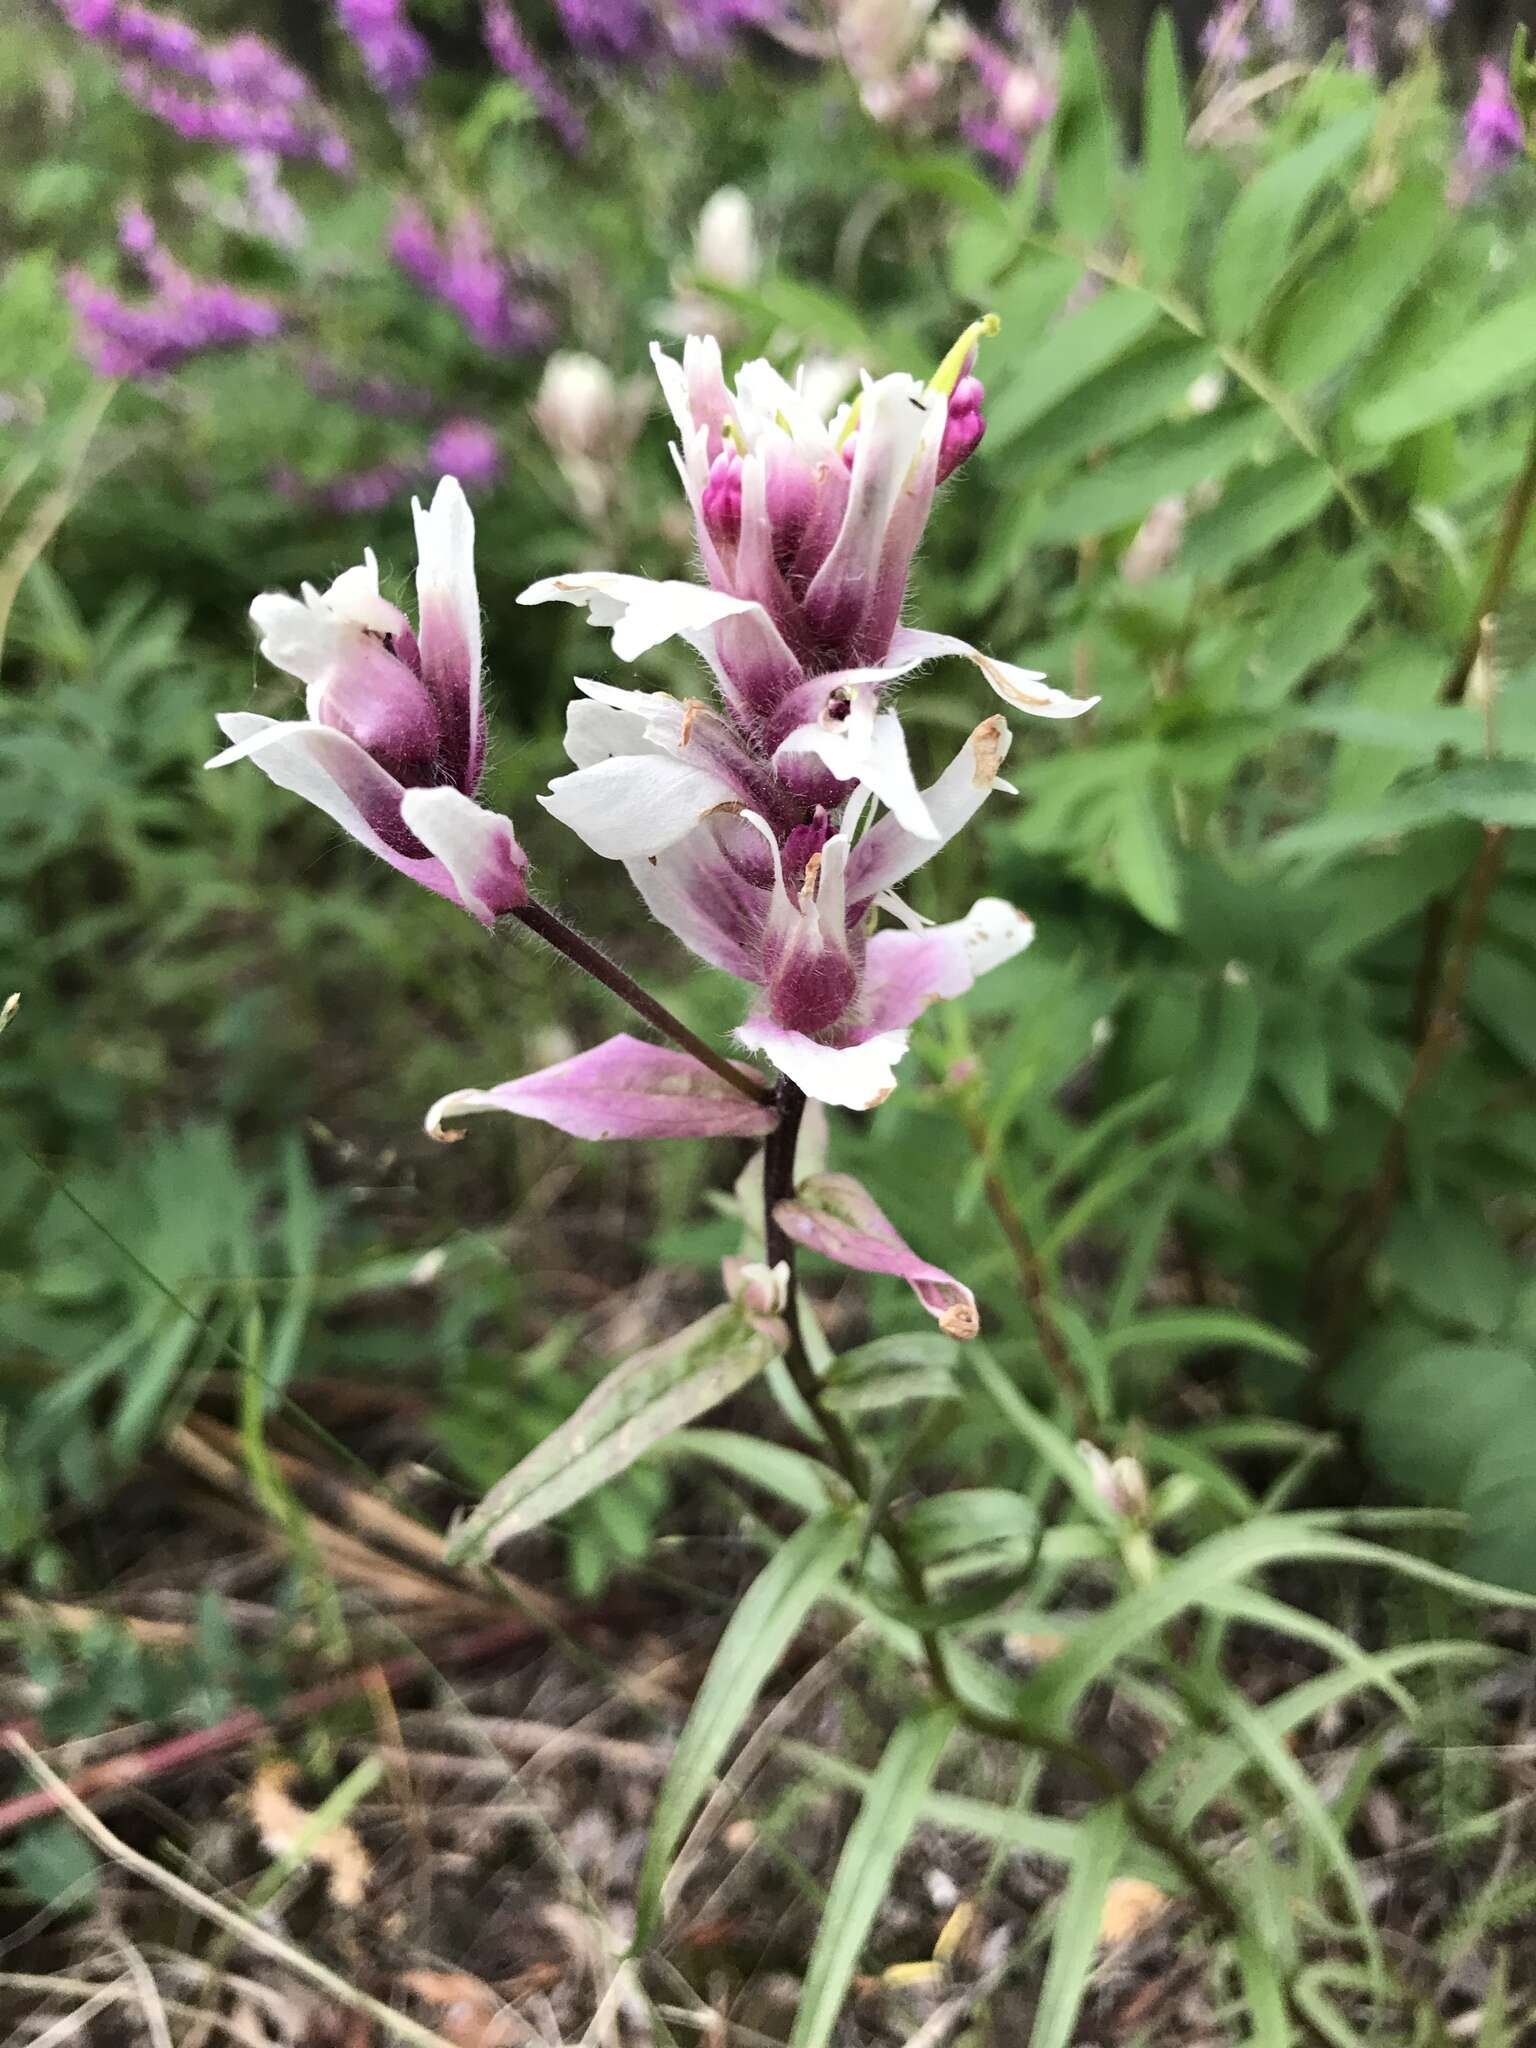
point(393, 742)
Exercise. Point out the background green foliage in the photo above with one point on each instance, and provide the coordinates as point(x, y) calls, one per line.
point(1281, 1263)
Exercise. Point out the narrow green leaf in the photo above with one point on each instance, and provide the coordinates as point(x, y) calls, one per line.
point(875, 1842)
point(1164, 190)
point(1203, 1329)
point(1255, 240)
point(1260, 508)
point(979, 1518)
point(1079, 1917)
point(1008, 1827)
point(636, 1407)
point(1342, 307)
point(1036, 378)
point(1083, 136)
point(789, 1475)
point(1136, 391)
point(1144, 856)
point(1229, 1057)
point(1162, 464)
point(1492, 355)
point(768, 1618)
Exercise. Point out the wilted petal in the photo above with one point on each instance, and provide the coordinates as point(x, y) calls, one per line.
point(624, 1088)
point(906, 971)
point(888, 851)
point(640, 613)
point(1024, 688)
point(846, 1076)
point(478, 848)
point(832, 1214)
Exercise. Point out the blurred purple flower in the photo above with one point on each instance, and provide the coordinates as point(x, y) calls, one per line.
point(466, 449)
point(1360, 36)
point(394, 54)
point(251, 97)
point(512, 53)
point(467, 274)
point(616, 30)
point(186, 316)
point(1223, 43)
point(1493, 134)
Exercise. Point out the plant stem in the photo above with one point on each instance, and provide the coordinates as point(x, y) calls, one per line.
point(1517, 512)
point(583, 954)
point(778, 1184)
point(1033, 1283)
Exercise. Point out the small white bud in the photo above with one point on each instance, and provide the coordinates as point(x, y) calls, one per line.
point(725, 241)
point(1119, 1482)
point(759, 1289)
point(577, 406)
point(1207, 392)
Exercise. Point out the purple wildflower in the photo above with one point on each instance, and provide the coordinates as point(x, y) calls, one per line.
point(617, 31)
point(1223, 43)
point(1493, 134)
point(185, 316)
point(466, 449)
point(514, 54)
point(467, 274)
point(394, 54)
point(1360, 36)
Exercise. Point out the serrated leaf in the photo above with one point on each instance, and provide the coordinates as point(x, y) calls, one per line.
point(1490, 356)
point(766, 1621)
point(1255, 240)
point(892, 1803)
point(635, 1408)
point(1163, 194)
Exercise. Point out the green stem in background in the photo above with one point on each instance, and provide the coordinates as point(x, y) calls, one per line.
point(583, 954)
point(1033, 1282)
point(850, 1462)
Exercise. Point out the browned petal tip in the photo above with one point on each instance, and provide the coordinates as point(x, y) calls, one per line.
point(961, 1321)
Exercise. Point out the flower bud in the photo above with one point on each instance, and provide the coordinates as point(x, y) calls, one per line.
point(1119, 1482)
point(760, 1289)
point(577, 406)
point(725, 241)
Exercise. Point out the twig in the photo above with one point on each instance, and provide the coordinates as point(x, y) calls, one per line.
point(250, 1932)
point(143, 1766)
point(583, 954)
point(1517, 512)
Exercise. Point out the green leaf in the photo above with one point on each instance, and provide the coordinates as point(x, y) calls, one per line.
point(769, 1616)
point(1500, 1486)
point(1229, 1057)
point(635, 1408)
point(1079, 1917)
point(1342, 306)
point(918, 1365)
point(1135, 392)
point(1144, 856)
point(1083, 136)
point(1255, 240)
point(1164, 190)
point(1262, 507)
point(1009, 1827)
point(1204, 1329)
point(1030, 384)
point(53, 1863)
point(957, 1525)
point(1491, 355)
point(1162, 464)
point(887, 1817)
point(790, 1476)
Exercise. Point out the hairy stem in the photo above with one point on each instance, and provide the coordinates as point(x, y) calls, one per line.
point(850, 1462)
point(583, 954)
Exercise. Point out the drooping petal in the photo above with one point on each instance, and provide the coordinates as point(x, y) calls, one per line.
point(640, 613)
point(448, 630)
point(478, 848)
point(1024, 688)
point(888, 851)
point(865, 745)
point(706, 902)
point(906, 971)
point(833, 1214)
point(624, 1088)
point(635, 805)
point(857, 1076)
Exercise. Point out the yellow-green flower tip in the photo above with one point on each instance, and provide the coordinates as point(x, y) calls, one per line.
point(952, 369)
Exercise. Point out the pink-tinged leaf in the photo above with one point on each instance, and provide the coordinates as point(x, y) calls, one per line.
point(832, 1214)
point(624, 1088)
